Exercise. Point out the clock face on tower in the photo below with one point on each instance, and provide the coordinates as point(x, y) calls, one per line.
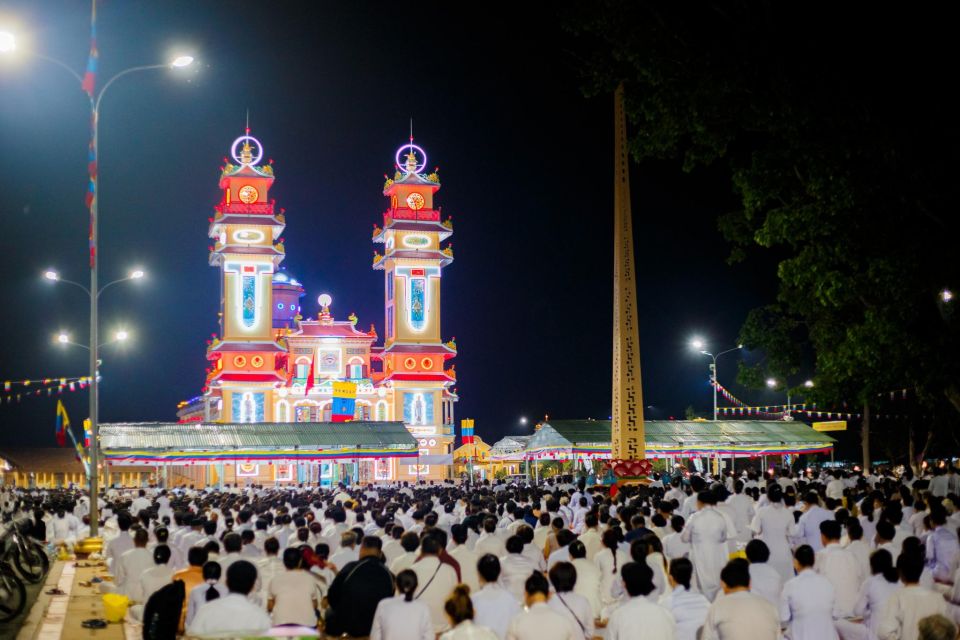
point(248, 194)
point(415, 201)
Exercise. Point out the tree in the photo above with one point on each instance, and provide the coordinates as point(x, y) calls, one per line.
point(841, 149)
point(690, 413)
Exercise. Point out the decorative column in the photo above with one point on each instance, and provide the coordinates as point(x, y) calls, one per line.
point(628, 444)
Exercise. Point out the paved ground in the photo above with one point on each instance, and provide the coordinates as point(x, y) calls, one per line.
point(9, 630)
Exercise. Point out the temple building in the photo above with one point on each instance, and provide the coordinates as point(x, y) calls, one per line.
point(270, 363)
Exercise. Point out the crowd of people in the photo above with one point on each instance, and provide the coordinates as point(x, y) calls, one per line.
point(752, 555)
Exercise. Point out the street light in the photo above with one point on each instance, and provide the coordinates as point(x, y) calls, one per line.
point(63, 338)
point(946, 295)
point(772, 383)
point(119, 336)
point(699, 345)
point(7, 44)
point(523, 420)
point(808, 384)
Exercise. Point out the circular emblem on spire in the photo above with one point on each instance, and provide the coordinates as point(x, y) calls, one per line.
point(243, 150)
point(411, 158)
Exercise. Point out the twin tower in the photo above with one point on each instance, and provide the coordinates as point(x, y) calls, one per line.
point(272, 363)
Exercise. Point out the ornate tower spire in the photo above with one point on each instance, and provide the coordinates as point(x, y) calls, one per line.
point(628, 441)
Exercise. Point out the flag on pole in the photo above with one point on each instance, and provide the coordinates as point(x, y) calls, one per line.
point(90, 77)
point(63, 424)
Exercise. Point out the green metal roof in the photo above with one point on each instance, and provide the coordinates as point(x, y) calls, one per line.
point(667, 433)
point(280, 435)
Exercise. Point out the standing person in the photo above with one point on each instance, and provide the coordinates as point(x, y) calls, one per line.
point(292, 594)
point(233, 613)
point(809, 524)
point(902, 613)
point(192, 576)
point(563, 577)
point(742, 511)
point(838, 565)
point(739, 614)
point(943, 549)
point(706, 531)
point(356, 592)
point(807, 601)
point(774, 525)
point(493, 606)
point(538, 621)
point(688, 607)
point(459, 610)
point(401, 617)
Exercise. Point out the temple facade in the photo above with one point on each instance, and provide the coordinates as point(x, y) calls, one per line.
point(271, 363)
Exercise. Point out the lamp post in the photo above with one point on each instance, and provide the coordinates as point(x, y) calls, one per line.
point(7, 46)
point(773, 383)
point(699, 345)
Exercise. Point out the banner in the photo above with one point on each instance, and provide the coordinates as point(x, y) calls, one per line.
point(466, 431)
point(834, 425)
point(63, 424)
point(344, 401)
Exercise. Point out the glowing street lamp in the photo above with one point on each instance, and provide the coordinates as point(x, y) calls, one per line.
point(946, 295)
point(182, 61)
point(51, 275)
point(136, 275)
point(63, 338)
point(699, 345)
point(8, 42)
point(523, 420)
point(121, 335)
point(772, 383)
point(808, 384)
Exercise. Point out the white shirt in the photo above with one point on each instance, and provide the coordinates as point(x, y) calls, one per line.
point(294, 594)
point(689, 610)
point(806, 606)
point(901, 615)
point(765, 581)
point(468, 566)
point(874, 594)
point(540, 622)
point(345, 555)
point(467, 630)
point(640, 619)
point(593, 542)
point(515, 568)
point(840, 567)
point(611, 587)
point(435, 581)
point(232, 613)
point(576, 609)
point(154, 579)
point(588, 583)
point(489, 543)
point(397, 619)
point(494, 607)
point(741, 615)
point(132, 565)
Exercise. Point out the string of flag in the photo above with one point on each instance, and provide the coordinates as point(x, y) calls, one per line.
point(17, 390)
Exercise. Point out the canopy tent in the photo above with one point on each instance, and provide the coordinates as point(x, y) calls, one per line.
point(192, 443)
point(680, 438)
point(509, 449)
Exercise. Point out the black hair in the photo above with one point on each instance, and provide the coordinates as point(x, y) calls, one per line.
point(197, 556)
point(910, 566)
point(830, 529)
point(537, 583)
point(488, 566)
point(292, 558)
point(577, 550)
point(407, 584)
point(881, 562)
point(514, 544)
point(563, 577)
point(637, 578)
point(736, 574)
point(805, 556)
point(681, 570)
point(161, 554)
point(271, 546)
point(212, 571)
point(232, 543)
point(757, 551)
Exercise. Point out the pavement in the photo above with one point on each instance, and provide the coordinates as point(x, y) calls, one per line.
point(60, 617)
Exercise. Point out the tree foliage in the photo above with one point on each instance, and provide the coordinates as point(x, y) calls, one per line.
point(839, 138)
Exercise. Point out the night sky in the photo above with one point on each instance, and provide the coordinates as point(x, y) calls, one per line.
point(526, 167)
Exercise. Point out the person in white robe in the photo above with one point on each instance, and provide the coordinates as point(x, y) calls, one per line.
point(638, 618)
point(900, 616)
point(493, 605)
point(739, 614)
point(774, 525)
point(873, 596)
point(838, 565)
point(807, 601)
point(689, 608)
point(765, 581)
point(707, 532)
